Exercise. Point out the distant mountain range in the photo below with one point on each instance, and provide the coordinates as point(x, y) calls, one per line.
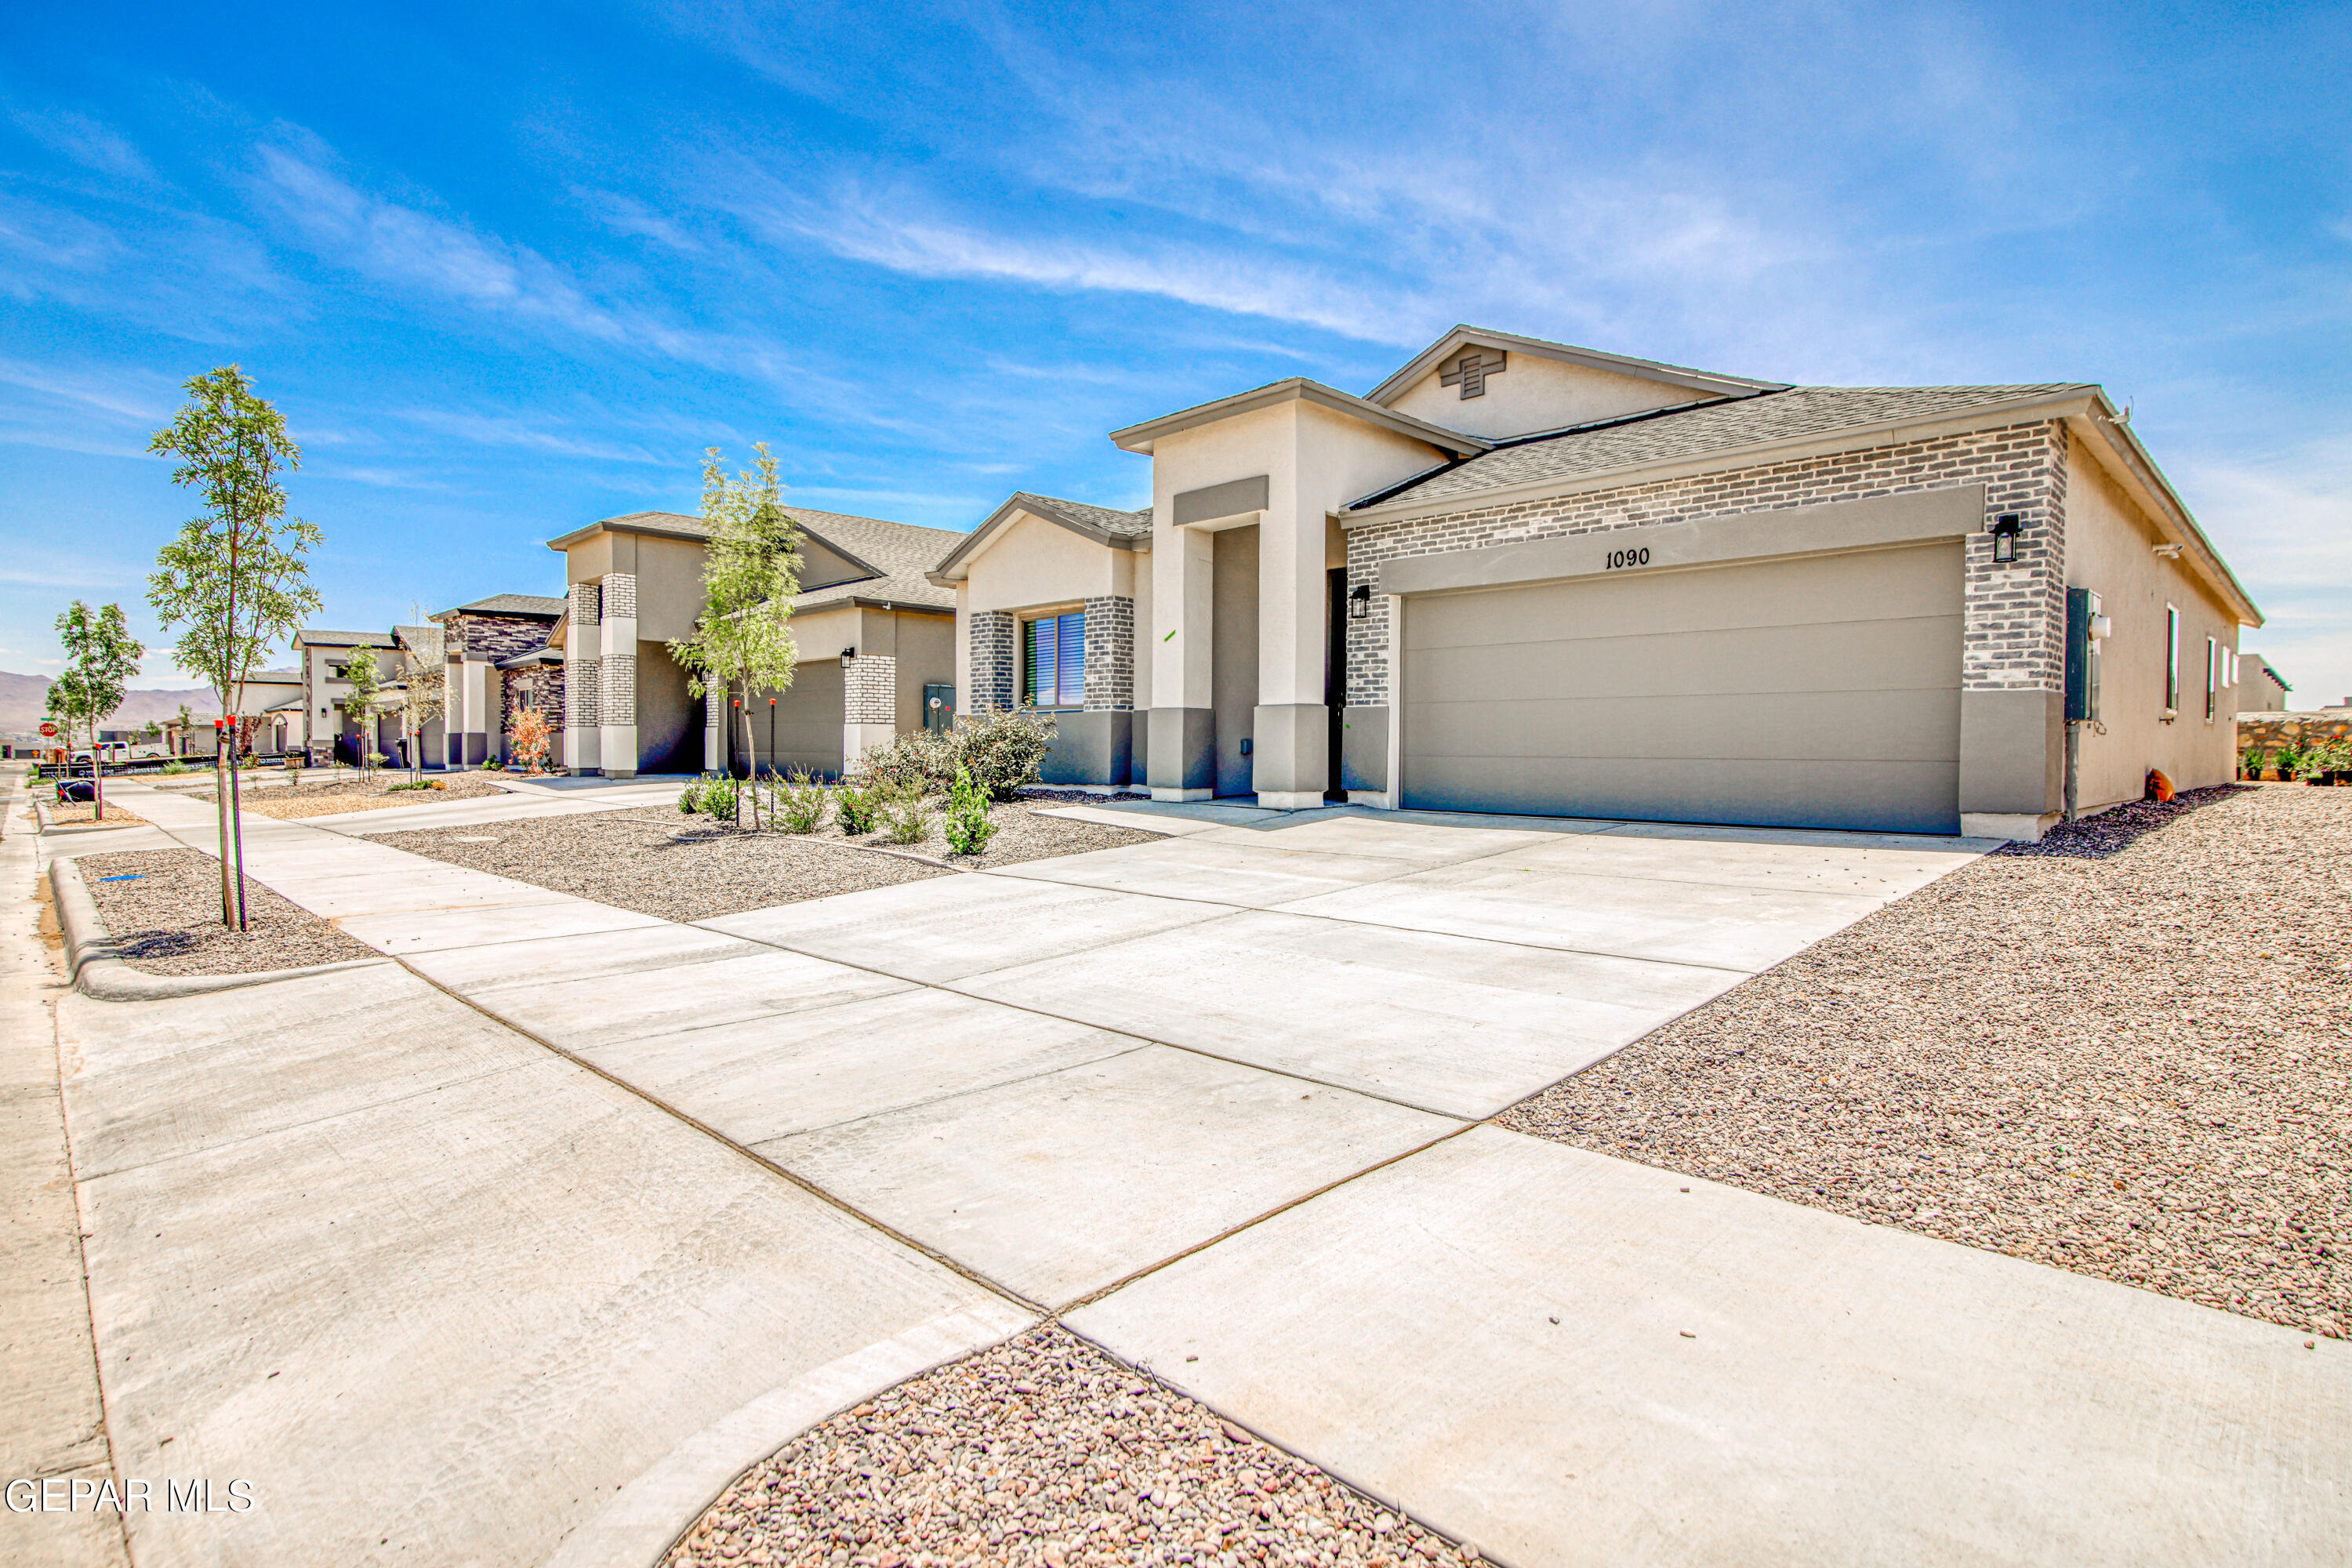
point(25, 703)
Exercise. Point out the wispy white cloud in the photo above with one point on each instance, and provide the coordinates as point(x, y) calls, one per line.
point(528, 434)
point(90, 142)
point(895, 231)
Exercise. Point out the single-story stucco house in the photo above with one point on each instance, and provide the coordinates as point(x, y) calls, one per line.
point(1519, 577)
point(876, 640)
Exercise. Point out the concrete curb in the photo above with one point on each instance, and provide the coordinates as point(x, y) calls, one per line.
point(97, 968)
point(647, 1515)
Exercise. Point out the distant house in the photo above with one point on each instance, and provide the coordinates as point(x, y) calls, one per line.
point(877, 641)
point(326, 732)
point(499, 664)
point(2262, 688)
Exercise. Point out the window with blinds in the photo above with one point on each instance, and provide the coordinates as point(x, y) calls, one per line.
point(1054, 661)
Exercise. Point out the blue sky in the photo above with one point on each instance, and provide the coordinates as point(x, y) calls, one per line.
point(510, 268)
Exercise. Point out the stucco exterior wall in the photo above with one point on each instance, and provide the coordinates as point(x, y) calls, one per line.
point(2111, 550)
point(927, 656)
point(1531, 393)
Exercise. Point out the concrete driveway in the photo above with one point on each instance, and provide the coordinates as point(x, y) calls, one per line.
point(1219, 1098)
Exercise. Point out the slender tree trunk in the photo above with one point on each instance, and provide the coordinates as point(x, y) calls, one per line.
point(97, 783)
point(752, 752)
point(236, 822)
point(222, 773)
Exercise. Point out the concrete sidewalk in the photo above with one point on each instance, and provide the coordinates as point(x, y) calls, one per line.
point(440, 1295)
point(52, 1423)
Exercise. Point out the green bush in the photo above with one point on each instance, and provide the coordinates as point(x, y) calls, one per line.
point(1001, 750)
point(855, 806)
point(905, 819)
point(412, 784)
point(968, 828)
point(176, 766)
point(798, 802)
point(715, 795)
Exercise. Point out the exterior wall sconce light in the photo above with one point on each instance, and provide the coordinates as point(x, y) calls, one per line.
point(1359, 602)
point(2005, 530)
point(848, 657)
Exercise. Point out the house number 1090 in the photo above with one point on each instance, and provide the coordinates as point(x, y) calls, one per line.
point(1617, 558)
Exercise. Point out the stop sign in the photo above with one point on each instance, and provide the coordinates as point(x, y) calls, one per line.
point(49, 729)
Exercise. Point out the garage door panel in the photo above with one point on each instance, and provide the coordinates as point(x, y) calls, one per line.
point(1815, 692)
point(1878, 655)
point(807, 729)
point(1882, 585)
point(1818, 726)
point(1879, 796)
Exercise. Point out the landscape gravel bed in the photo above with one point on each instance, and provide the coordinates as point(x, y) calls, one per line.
point(2125, 1051)
point(162, 907)
point(1042, 1451)
point(677, 867)
point(349, 791)
point(84, 813)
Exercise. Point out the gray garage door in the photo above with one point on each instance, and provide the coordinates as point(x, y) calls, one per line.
point(1819, 692)
point(804, 729)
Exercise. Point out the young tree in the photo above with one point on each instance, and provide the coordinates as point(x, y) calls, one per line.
point(100, 659)
point(359, 703)
point(423, 690)
point(235, 576)
point(750, 574)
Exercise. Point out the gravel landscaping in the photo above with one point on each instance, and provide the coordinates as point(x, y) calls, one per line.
point(351, 792)
point(2125, 1051)
point(164, 916)
point(684, 867)
point(677, 867)
point(1042, 1451)
point(84, 813)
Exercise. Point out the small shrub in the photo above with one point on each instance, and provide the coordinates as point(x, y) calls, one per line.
point(799, 806)
point(855, 806)
point(715, 795)
point(1002, 750)
point(904, 819)
point(414, 783)
point(174, 766)
point(967, 824)
point(918, 759)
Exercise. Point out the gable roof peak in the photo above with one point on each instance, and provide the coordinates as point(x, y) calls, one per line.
point(1706, 382)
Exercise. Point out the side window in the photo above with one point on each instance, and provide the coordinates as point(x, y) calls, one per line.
point(2212, 675)
point(1054, 661)
point(2171, 661)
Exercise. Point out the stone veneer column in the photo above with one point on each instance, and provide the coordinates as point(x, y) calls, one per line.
point(714, 730)
point(869, 705)
point(582, 667)
point(993, 664)
point(617, 655)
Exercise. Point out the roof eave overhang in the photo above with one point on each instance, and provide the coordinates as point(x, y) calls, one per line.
point(2098, 423)
point(617, 525)
point(1465, 335)
point(1297, 389)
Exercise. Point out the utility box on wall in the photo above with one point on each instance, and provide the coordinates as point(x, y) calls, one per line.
point(2086, 629)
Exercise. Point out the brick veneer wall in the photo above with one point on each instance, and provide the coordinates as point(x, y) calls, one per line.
point(2014, 617)
point(869, 691)
point(583, 677)
point(991, 662)
point(1110, 652)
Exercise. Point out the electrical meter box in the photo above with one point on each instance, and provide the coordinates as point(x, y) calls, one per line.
point(2086, 629)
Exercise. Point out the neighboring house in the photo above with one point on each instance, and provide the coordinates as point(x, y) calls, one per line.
point(2261, 688)
point(1523, 577)
point(328, 733)
point(498, 660)
point(271, 697)
point(876, 639)
point(1053, 598)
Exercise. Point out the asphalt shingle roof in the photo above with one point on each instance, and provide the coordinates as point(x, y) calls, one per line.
point(510, 604)
point(1100, 519)
point(346, 639)
point(901, 552)
point(1793, 415)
